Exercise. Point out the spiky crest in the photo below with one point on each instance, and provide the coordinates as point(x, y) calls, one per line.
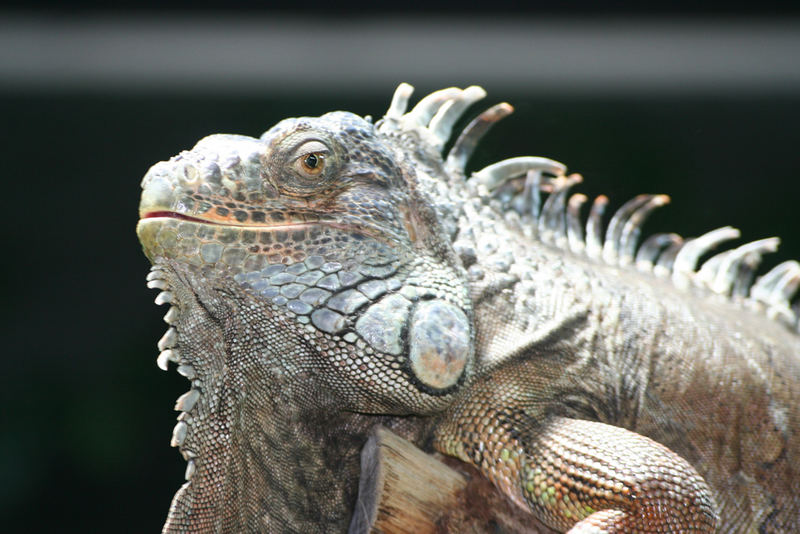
point(516, 184)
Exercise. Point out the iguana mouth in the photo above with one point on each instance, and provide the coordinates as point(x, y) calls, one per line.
point(175, 215)
point(164, 214)
point(351, 227)
point(254, 226)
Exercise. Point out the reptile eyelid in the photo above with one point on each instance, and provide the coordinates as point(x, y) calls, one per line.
point(309, 146)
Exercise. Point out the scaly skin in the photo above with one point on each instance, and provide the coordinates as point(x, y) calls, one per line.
point(337, 274)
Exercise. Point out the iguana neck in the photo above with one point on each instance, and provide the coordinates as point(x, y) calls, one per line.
point(308, 460)
point(266, 421)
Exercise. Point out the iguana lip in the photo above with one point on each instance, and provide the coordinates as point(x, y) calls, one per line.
point(164, 214)
point(175, 215)
point(365, 230)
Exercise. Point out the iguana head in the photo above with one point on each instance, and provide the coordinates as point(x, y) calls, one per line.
point(320, 221)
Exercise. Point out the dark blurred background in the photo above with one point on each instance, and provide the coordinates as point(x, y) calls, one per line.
point(699, 102)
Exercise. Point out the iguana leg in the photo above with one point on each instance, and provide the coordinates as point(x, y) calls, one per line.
point(581, 476)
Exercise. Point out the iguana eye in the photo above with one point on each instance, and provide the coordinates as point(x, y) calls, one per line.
point(312, 163)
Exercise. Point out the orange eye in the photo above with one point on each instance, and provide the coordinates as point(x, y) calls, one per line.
point(313, 163)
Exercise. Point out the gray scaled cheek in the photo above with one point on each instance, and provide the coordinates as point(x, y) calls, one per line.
point(439, 336)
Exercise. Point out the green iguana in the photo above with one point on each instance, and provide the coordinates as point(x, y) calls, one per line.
point(336, 274)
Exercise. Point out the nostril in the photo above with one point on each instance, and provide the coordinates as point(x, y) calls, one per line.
point(190, 173)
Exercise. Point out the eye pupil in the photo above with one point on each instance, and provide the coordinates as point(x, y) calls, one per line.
point(312, 161)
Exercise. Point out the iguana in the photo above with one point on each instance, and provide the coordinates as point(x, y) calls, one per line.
point(338, 273)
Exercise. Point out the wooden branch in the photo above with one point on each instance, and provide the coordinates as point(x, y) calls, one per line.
point(402, 489)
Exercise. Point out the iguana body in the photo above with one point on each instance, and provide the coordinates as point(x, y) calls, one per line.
point(337, 274)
